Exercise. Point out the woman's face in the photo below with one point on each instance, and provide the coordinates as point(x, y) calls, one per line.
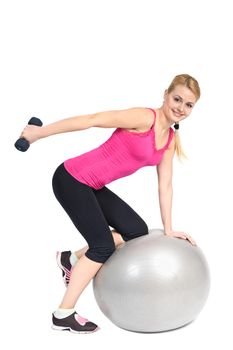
point(179, 103)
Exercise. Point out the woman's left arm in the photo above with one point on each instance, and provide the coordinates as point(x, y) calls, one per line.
point(164, 171)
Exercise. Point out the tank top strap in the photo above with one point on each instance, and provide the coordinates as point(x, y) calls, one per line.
point(154, 116)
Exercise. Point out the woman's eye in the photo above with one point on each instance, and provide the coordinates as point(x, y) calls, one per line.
point(189, 105)
point(176, 99)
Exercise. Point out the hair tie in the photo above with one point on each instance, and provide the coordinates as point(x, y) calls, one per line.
point(176, 126)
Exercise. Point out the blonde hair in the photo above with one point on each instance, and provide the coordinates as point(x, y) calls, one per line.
point(192, 84)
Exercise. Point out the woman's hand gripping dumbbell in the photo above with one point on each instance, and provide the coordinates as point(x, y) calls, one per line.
point(23, 143)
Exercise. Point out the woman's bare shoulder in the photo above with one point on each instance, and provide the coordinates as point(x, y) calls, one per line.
point(147, 120)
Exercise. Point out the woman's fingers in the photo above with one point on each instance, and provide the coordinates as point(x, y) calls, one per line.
point(31, 133)
point(183, 235)
point(190, 239)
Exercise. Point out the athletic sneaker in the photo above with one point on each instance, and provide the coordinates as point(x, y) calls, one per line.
point(74, 323)
point(63, 261)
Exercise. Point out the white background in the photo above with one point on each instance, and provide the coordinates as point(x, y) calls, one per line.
point(65, 58)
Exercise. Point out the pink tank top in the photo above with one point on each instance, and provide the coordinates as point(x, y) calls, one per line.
point(121, 155)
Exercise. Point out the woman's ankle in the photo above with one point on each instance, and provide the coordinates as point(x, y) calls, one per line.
point(63, 312)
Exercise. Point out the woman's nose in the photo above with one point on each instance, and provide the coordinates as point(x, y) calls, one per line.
point(181, 107)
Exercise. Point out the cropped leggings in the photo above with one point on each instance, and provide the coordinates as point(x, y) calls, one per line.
point(93, 211)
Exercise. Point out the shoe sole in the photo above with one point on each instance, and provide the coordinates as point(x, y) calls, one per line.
point(58, 258)
point(59, 328)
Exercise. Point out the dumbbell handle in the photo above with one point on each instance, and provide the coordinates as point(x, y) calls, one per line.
point(22, 144)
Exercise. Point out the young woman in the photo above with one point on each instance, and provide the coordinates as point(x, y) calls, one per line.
point(142, 137)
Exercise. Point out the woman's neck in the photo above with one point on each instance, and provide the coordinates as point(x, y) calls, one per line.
point(162, 124)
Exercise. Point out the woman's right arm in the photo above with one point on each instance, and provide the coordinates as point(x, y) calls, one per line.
point(128, 118)
point(33, 133)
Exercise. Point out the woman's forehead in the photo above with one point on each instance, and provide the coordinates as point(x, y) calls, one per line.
point(185, 93)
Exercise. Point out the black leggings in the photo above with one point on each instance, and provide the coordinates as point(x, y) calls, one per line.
point(92, 211)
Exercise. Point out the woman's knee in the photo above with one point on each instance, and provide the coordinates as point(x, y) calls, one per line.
point(140, 230)
point(100, 254)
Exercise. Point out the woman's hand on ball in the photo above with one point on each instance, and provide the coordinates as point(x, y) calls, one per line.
point(31, 133)
point(182, 235)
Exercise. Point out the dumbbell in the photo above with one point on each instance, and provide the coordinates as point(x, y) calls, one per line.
point(22, 144)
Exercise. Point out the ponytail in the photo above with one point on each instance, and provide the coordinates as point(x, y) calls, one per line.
point(178, 148)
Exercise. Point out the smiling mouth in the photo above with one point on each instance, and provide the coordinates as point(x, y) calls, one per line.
point(177, 114)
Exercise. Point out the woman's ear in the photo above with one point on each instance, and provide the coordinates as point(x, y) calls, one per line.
point(165, 95)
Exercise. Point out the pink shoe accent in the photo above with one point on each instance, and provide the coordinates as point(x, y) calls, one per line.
point(68, 272)
point(81, 320)
point(66, 277)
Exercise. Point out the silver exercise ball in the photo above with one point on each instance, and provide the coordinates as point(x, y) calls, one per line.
point(153, 283)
